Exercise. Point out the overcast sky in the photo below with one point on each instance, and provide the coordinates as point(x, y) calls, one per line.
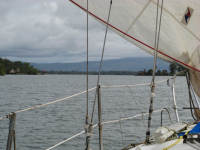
point(54, 31)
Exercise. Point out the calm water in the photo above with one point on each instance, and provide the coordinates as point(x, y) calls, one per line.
point(42, 128)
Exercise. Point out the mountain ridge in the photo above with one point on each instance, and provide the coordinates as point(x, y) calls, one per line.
point(124, 64)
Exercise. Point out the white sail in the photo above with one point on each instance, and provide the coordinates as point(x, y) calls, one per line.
point(135, 21)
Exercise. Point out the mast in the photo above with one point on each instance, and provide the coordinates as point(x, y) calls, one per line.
point(156, 44)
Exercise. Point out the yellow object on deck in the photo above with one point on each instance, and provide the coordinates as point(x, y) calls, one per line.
point(175, 143)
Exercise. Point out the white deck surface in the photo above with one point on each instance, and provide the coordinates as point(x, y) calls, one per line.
point(179, 146)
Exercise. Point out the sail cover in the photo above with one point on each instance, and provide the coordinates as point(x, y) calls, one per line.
point(135, 21)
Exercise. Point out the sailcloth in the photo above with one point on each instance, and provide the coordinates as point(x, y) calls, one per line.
point(135, 21)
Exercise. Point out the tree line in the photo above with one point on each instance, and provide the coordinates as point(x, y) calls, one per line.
point(173, 68)
point(17, 67)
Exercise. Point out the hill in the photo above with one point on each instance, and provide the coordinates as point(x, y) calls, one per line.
point(125, 64)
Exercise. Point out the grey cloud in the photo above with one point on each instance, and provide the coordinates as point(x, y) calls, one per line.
point(54, 31)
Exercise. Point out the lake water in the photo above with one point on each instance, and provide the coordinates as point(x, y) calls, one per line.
point(42, 128)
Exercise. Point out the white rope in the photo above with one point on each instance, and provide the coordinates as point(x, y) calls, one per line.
point(143, 84)
point(129, 118)
point(74, 136)
point(49, 103)
point(56, 101)
point(119, 86)
point(105, 122)
point(68, 139)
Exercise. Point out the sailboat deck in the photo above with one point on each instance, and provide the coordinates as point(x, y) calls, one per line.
point(167, 146)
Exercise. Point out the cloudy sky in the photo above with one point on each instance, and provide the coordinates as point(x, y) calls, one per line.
point(54, 31)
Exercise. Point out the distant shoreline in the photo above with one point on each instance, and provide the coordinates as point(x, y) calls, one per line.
point(145, 72)
point(133, 73)
point(92, 73)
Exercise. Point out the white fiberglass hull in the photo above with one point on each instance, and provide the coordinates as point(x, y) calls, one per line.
point(166, 146)
point(163, 133)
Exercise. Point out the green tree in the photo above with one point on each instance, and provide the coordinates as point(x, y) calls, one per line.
point(159, 72)
point(173, 68)
point(6, 66)
point(150, 72)
point(164, 72)
point(2, 69)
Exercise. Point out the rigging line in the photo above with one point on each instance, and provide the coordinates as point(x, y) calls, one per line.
point(101, 61)
point(69, 139)
point(95, 125)
point(190, 96)
point(87, 70)
point(156, 44)
point(194, 95)
point(121, 131)
point(87, 130)
point(134, 85)
point(56, 101)
point(160, 23)
point(129, 118)
point(153, 78)
point(156, 41)
point(62, 142)
point(49, 103)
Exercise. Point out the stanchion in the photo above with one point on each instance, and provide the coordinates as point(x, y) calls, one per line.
point(100, 118)
point(11, 134)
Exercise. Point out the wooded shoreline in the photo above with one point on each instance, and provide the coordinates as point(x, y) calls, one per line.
point(23, 68)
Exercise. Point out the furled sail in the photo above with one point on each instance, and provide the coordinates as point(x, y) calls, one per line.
point(135, 21)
